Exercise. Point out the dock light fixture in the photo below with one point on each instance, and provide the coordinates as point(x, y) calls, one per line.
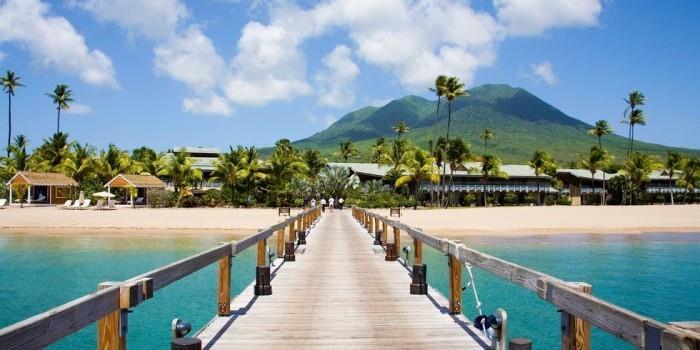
point(270, 255)
point(406, 250)
point(180, 328)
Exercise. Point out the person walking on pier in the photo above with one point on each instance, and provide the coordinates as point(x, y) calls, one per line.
point(323, 204)
point(331, 203)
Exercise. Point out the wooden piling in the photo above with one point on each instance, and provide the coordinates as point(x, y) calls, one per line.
point(262, 271)
point(385, 233)
point(108, 328)
point(576, 332)
point(397, 238)
point(417, 251)
point(224, 287)
point(280, 243)
point(455, 267)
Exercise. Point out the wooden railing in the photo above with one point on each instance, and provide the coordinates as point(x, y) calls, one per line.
point(109, 305)
point(579, 308)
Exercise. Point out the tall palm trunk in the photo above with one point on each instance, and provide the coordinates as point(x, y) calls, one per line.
point(58, 120)
point(434, 150)
point(447, 143)
point(670, 184)
point(539, 193)
point(9, 122)
point(452, 172)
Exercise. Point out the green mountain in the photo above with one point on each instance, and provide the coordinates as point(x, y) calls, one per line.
point(521, 122)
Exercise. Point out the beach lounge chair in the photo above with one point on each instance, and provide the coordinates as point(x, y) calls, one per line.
point(111, 205)
point(85, 205)
point(100, 205)
point(75, 205)
point(140, 201)
point(67, 204)
point(41, 198)
point(3, 201)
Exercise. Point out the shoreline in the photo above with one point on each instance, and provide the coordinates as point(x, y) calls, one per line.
point(488, 223)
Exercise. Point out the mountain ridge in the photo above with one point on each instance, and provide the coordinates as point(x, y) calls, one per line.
point(521, 121)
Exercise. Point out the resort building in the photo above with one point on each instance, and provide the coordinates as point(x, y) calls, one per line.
point(43, 188)
point(141, 183)
point(519, 180)
point(582, 187)
point(203, 158)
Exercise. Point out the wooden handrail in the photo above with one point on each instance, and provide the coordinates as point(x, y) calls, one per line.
point(50, 326)
point(640, 331)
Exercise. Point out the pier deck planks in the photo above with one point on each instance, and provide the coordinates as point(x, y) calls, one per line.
point(340, 293)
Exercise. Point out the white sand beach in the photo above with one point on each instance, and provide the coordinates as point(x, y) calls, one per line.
point(146, 221)
point(526, 221)
point(496, 221)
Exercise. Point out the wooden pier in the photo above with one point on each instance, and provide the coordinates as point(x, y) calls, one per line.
point(340, 293)
point(338, 282)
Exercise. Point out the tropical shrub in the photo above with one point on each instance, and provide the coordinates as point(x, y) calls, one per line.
point(212, 198)
point(564, 200)
point(510, 198)
point(470, 199)
point(161, 199)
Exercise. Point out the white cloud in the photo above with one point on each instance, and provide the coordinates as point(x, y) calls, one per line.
point(215, 105)
point(53, 42)
point(79, 109)
point(154, 19)
point(379, 102)
point(544, 72)
point(336, 83)
point(310, 118)
point(533, 17)
point(329, 120)
point(190, 58)
point(268, 67)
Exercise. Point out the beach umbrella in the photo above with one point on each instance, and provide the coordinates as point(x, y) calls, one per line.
point(81, 197)
point(103, 194)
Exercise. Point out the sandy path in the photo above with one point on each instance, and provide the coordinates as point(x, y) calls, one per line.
point(191, 222)
point(525, 221)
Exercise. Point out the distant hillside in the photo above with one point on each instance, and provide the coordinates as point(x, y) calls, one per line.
point(521, 121)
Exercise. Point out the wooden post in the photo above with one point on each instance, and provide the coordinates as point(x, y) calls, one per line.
point(224, 286)
point(289, 245)
point(397, 238)
point(417, 251)
point(455, 285)
point(385, 233)
point(576, 332)
point(419, 285)
point(108, 327)
point(262, 271)
point(280, 243)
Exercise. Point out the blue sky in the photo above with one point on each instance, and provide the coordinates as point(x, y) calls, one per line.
point(226, 72)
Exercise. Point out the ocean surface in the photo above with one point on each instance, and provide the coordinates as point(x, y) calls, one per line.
point(657, 275)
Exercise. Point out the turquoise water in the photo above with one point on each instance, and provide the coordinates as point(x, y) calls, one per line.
point(655, 275)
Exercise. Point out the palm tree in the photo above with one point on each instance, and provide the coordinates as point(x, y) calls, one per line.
point(81, 163)
point(231, 169)
point(181, 173)
point(347, 150)
point(10, 82)
point(596, 160)
point(54, 149)
point(115, 161)
point(439, 91)
point(634, 99)
point(636, 172)
point(377, 151)
point(335, 181)
point(690, 176)
point(282, 168)
point(257, 173)
point(491, 167)
point(453, 89)
point(314, 162)
point(487, 135)
point(61, 96)
point(636, 118)
point(457, 153)
point(400, 128)
point(600, 129)
point(673, 163)
point(541, 163)
point(397, 155)
point(418, 167)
